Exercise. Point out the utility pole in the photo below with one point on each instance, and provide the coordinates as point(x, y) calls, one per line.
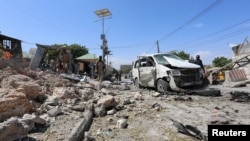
point(158, 48)
point(102, 14)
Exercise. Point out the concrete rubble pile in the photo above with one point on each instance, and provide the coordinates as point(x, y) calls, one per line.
point(43, 105)
point(30, 102)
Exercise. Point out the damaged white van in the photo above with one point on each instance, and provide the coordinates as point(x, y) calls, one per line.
point(166, 72)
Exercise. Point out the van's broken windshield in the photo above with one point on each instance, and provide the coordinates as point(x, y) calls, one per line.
point(160, 58)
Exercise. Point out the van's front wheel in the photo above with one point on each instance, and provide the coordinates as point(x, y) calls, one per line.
point(162, 86)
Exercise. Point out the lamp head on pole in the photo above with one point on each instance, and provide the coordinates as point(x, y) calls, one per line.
point(103, 13)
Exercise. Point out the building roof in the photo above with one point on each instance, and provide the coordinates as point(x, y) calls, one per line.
point(4, 37)
point(88, 57)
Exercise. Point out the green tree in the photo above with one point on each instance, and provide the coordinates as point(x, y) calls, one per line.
point(76, 50)
point(182, 55)
point(222, 61)
point(52, 53)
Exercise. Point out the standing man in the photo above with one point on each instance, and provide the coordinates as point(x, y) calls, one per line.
point(100, 69)
point(198, 61)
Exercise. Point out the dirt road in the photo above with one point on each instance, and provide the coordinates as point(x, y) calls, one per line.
point(150, 119)
point(154, 117)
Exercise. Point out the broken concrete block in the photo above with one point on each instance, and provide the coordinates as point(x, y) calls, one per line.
point(28, 86)
point(13, 129)
point(108, 92)
point(100, 111)
point(156, 94)
point(34, 118)
point(11, 80)
point(52, 100)
point(13, 103)
point(45, 117)
point(64, 92)
point(111, 112)
point(104, 90)
point(55, 111)
point(122, 123)
point(106, 84)
point(138, 96)
point(86, 94)
point(78, 108)
point(107, 101)
point(77, 134)
point(31, 89)
point(96, 84)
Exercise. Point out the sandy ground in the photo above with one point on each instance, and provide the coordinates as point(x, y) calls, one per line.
point(150, 119)
point(147, 123)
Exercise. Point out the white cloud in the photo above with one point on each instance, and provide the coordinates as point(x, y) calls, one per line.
point(203, 53)
point(206, 57)
point(199, 25)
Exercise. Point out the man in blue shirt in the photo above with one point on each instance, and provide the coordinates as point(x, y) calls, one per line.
point(198, 61)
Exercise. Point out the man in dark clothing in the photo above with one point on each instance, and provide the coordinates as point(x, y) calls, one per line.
point(198, 61)
point(100, 69)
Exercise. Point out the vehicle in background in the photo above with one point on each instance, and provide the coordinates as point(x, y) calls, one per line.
point(166, 72)
point(217, 75)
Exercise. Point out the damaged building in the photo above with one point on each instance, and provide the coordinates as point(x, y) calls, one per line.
point(241, 52)
point(11, 45)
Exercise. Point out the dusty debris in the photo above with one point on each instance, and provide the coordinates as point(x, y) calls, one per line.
point(189, 130)
point(219, 119)
point(17, 128)
point(53, 105)
point(240, 96)
point(111, 112)
point(138, 96)
point(157, 106)
point(107, 101)
point(156, 94)
point(122, 123)
point(64, 92)
point(55, 111)
point(100, 110)
point(13, 103)
point(179, 98)
point(23, 84)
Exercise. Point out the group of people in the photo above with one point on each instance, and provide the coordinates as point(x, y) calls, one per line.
point(101, 67)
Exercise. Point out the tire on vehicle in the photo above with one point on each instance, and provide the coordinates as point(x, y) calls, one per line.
point(162, 86)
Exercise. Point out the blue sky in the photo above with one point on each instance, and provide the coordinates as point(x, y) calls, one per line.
point(202, 27)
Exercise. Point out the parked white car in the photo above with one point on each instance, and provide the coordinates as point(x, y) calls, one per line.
point(166, 72)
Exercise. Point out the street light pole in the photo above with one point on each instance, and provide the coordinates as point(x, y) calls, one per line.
point(102, 25)
point(102, 14)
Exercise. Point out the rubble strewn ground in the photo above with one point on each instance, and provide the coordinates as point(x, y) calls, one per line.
point(41, 105)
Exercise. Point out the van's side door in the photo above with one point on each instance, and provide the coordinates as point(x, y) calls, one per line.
point(147, 72)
